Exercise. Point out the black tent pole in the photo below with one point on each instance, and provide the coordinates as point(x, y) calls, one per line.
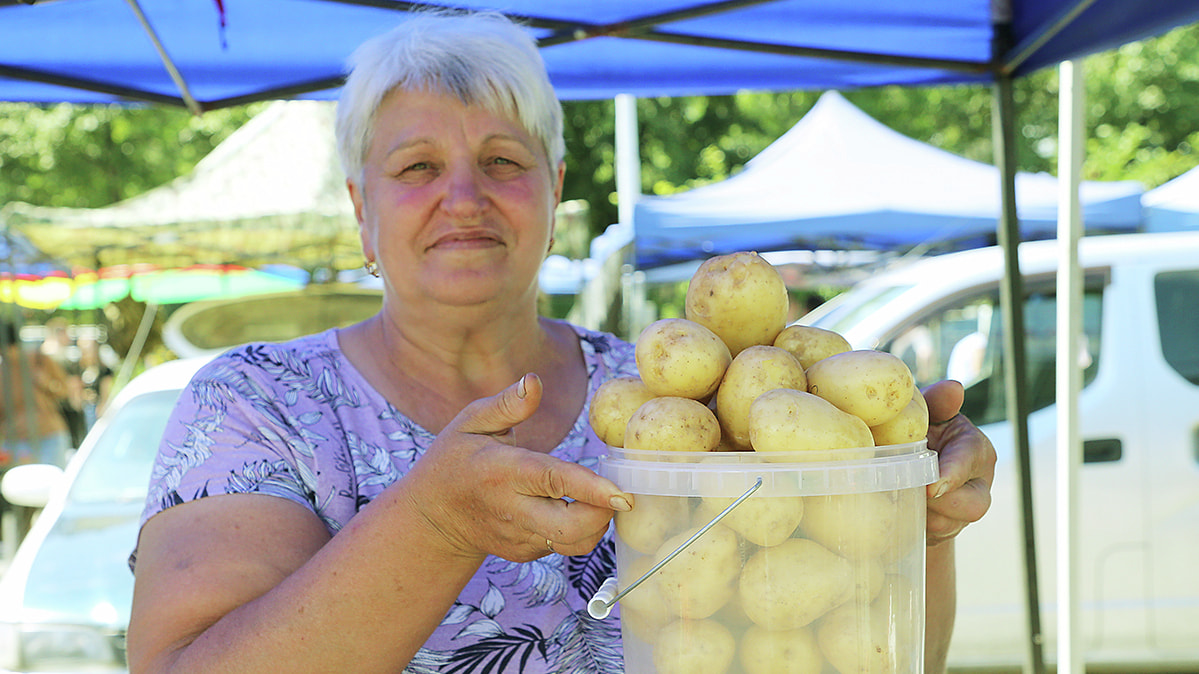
point(1012, 303)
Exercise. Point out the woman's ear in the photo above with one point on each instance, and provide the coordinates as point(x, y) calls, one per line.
point(368, 248)
point(355, 198)
point(561, 181)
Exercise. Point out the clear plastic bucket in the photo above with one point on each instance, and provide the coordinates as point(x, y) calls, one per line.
point(807, 562)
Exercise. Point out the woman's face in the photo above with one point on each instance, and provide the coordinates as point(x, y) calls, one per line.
point(456, 203)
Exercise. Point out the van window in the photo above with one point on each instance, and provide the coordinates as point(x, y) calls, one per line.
point(963, 340)
point(1178, 321)
point(118, 469)
point(843, 316)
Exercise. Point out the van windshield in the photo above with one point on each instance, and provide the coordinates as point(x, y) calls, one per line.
point(118, 468)
point(847, 314)
point(962, 339)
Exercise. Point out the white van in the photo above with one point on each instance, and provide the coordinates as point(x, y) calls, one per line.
point(1139, 419)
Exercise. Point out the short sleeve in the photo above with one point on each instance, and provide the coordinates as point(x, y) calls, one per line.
point(228, 434)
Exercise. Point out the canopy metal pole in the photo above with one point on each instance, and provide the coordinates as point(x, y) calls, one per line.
point(1012, 304)
point(1021, 52)
point(628, 158)
point(628, 192)
point(176, 76)
point(129, 363)
point(1069, 371)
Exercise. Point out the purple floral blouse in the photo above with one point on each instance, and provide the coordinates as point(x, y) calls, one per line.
point(296, 420)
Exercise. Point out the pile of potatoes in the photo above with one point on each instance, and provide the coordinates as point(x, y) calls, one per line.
point(781, 585)
point(732, 376)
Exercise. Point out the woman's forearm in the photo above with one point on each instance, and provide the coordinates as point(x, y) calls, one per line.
point(365, 596)
point(940, 602)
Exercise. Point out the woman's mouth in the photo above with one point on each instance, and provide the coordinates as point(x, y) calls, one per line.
point(472, 241)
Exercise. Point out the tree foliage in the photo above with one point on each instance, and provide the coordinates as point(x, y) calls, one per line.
point(93, 155)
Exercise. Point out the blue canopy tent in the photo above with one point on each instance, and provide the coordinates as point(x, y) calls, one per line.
point(840, 180)
point(193, 53)
point(1173, 206)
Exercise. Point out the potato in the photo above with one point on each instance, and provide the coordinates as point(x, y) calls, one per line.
point(700, 580)
point(876, 638)
point(672, 424)
point(871, 385)
point(792, 584)
point(642, 611)
point(910, 425)
point(868, 578)
point(902, 597)
point(761, 520)
point(612, 405)
point(740, 297)
point(727, 445)
point(754, 371)
point(912, 506)
point(678, 357)
point(868, 524)
point(794, 651)
point(786, 420)
point(731, 615)
point(694, 647)
point(809, 343)
point(651, 521)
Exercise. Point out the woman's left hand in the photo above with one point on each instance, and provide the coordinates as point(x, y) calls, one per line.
point(966, 459)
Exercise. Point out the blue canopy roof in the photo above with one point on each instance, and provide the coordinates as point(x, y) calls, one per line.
point(100, 50)
point(840, 179)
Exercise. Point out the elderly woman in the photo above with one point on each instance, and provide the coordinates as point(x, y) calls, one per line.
point(405, 492)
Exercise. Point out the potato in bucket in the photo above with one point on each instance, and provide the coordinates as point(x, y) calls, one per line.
point(740, 297)
point(723, 566)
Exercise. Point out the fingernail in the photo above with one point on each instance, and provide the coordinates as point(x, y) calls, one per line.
point(521, 392)
point(941, 489)
point(620, 503)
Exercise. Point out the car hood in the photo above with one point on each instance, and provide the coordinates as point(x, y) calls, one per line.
point(80, 572)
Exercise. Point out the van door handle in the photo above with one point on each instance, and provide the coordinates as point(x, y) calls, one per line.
point(1102, 451)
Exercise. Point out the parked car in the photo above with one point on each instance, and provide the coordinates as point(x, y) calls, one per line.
point(65, 596)
point(1139, 418)
point(64, 599)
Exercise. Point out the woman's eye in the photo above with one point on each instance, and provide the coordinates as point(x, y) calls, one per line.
point(504, 166)
point(420, 170)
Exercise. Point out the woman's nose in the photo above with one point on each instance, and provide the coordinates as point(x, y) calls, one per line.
point(465, 196)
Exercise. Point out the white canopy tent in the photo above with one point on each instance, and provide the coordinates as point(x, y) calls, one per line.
point(1173, 206)
point(839, 179)
point(273, 191)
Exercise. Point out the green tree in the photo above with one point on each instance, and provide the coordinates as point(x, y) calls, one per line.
point(1143, 107)
point(93, 155)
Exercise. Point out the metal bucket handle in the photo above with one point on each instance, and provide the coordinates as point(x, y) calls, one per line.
point(606, 596)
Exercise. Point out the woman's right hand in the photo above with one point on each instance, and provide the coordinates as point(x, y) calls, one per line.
point(485, 495)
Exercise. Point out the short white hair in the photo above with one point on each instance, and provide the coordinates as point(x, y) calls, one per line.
point(482, 58)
